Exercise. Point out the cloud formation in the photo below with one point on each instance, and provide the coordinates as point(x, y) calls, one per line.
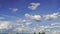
point(33, 6)
point(51, 16)
point(34, 17)
point(24, 22)
point(56, 32)
point(20, 29)
point(13, 9)
point(5, 25)
point(55, 24)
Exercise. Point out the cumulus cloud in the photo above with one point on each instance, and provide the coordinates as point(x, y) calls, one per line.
point(5, 25)
point(34, 17)
point(33, 6)
point(13, 9)
point(51, 16)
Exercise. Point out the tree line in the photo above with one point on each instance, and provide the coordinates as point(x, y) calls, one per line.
point(34, 33)
point(40, 33)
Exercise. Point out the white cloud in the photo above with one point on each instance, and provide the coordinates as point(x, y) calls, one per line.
point(53, 32)
point(5, 25)
point(24, 22)
point(56, 32)
point(49, 27)
point(34, 17)
point(21, 21)
point(55, 24)
point(11, 16)
point(35, 29)
point(51, 16)
point(46, 29)
point(21, 29)
point(33, 6)
point(20, 25)
point(27, 15)
point(28, 23)
point(14, 9)
point(38, 29)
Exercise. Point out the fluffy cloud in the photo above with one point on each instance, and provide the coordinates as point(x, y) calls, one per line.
point(24, 22)
point(33, 6)
point(5, 25)
point(46, 17)
point(34, 17)
point(51, 16)
point(13, 9)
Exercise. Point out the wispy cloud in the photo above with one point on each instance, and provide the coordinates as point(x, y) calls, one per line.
point(13, 9)
point(21, 29)
point(33, 6)
point(24, 22)
point(51, 16)
point(56, 23)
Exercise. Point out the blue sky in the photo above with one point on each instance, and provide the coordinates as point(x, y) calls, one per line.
point(31, 14)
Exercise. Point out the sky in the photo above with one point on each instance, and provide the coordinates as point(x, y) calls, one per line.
point(30, 16)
